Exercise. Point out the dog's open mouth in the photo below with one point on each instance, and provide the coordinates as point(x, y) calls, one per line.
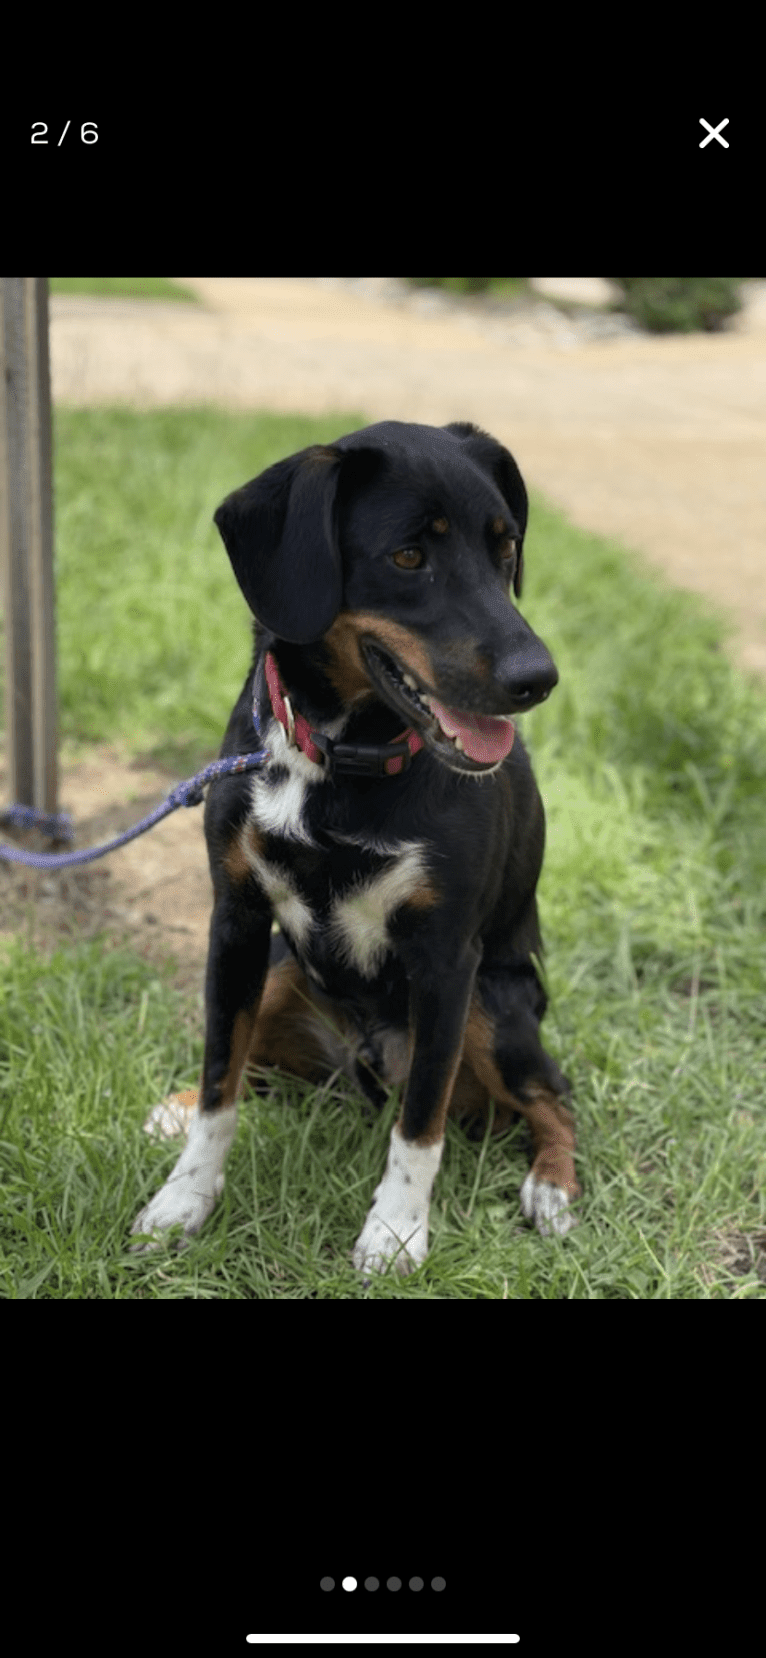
point(467, 742)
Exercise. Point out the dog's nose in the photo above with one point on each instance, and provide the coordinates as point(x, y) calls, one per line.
point(529, 678)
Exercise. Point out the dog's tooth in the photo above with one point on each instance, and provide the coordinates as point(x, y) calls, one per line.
point(457, 741)
point(408, 680)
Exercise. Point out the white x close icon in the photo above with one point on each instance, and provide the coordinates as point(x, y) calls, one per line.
point(714, 132)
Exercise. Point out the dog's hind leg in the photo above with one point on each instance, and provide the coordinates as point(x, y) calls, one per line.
point(507, 1058)
point(292, 1033)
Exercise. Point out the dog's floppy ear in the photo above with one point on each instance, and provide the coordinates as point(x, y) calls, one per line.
point(279, 533)
point(502, 469)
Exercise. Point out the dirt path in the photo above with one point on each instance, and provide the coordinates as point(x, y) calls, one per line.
point(658, 442)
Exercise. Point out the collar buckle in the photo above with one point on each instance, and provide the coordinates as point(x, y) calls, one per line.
point(361, 759)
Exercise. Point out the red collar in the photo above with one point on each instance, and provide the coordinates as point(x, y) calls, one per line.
point(358, 759)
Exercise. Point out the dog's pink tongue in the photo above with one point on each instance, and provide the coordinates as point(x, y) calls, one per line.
point(484, 738)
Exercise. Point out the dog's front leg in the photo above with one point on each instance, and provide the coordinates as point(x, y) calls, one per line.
point(236, 970)
point(396, 1228)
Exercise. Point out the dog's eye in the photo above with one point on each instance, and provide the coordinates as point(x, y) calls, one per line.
point(408, 558)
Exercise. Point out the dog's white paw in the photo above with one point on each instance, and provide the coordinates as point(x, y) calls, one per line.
point(399, 1239)
point(396, 1228)
point(173, 1115)
point(190, 1192)
point(546, 1205)
point(177, 1203)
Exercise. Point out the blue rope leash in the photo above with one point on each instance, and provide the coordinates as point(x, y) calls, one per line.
point(185, 794)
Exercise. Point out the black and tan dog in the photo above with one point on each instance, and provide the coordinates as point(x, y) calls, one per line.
point(401, 864)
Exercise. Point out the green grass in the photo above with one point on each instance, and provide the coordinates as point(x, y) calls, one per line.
point(122, 287)
point(651, 756)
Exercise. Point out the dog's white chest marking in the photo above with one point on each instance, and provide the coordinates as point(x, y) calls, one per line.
point(359, 918)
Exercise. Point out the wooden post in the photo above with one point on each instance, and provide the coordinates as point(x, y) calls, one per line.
point(26, 542)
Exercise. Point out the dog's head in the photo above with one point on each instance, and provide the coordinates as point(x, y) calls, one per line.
point(403, 541)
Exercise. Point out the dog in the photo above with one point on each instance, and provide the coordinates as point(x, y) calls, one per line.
point(395, 831)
